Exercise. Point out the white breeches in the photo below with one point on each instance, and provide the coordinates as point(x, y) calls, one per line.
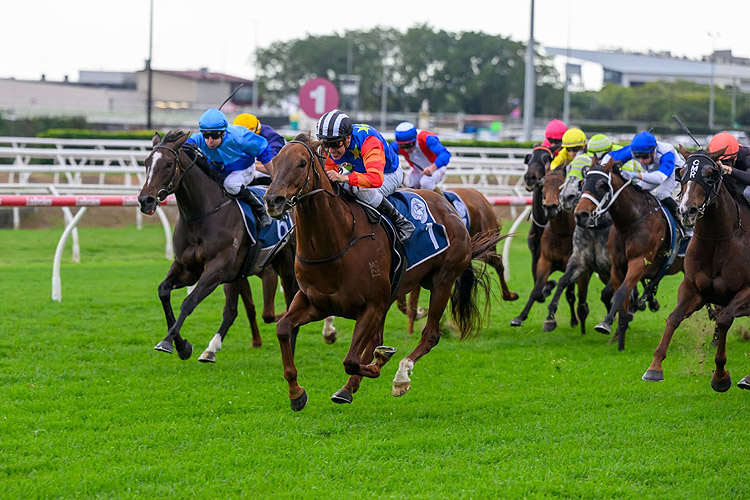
point(373, 196)
point(235, 180)
point(417, 180)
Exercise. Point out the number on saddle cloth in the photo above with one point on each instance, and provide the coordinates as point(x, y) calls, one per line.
point(429, 238)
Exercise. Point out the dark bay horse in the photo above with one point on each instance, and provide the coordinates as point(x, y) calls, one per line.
point(537, 165)
point(482, 219)
point(210, 240)
point(343, 263)
point(638, 243)
point(556, 245)
point(716, 265)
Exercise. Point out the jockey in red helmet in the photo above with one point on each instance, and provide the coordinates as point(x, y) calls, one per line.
point(735, 161)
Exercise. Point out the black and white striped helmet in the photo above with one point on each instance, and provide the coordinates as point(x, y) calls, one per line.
point(334, 125)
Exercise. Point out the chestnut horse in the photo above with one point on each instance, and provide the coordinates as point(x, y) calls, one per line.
point(716, 270)
point(342, 267)
point(556, 245)
point(210, 241)
point(537, 165)
point(482, 219)
point(638, 243)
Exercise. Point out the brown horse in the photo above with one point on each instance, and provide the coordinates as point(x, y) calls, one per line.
point(637, 243)
point(716, 270)
point(343, 263)
point(482, 219)
point(537, 165)
point(210, 240)
point(556, 245)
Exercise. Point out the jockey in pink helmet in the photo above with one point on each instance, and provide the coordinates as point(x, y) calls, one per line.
point(553, 134)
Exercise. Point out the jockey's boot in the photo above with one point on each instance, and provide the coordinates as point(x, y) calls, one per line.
point(404, 228)
point(685, 232)
point(439, 191)
point(258, 209)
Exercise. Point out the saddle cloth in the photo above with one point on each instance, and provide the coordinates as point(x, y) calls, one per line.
point(460, 207)
point(429, 238)
point(271, 234)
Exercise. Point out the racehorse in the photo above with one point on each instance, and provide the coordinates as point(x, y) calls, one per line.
point(556, 245)
point(342, 267)
point(537, 165)
point(589, 255)
point(638, 243)
point(482, 219)
point(210, 241)
point(716, 270)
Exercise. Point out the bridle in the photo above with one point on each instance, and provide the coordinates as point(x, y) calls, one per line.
point(608, 199)
point(172, 186)
point(299, 196)
point(528, 162)
point(694, 172)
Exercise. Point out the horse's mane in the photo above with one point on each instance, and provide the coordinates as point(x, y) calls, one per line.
point(173, 136)
point(304, 137)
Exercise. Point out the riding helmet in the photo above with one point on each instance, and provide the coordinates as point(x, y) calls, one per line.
point(555, 130)
point(406, 133)
point(643, 142)
point(599, 143)
point(248, 121)
point(724, 140)
point(573, 138)
point(212, 119)
point(334, 125)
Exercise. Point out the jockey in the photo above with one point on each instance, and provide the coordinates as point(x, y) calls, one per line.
point(573, 143)
point(425, 153)
point(658, 161)
point(553, 134)
point(735, 161)
point(600, 145)
point(231, 151)
point(374, 172)
point(275, 143)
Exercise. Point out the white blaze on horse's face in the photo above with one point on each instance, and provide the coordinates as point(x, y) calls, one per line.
point(686, 196)
point(155, 158)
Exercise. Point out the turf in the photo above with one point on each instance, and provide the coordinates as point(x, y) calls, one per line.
point(89, 409)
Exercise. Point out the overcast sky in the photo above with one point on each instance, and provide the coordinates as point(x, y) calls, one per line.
point(59, 38)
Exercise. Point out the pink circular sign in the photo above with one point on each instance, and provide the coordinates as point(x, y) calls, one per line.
point(318, 96)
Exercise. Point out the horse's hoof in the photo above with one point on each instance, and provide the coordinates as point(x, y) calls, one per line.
point(330, 338)
point(300, 402)
point(573, 322)
point(549, 325)
point(342, 396)
point(164, 346)
point(653, 376)
point(603, 328)
point(516, 321)
point(186, 351)
point(384, 353)
point(744, 383)
point(257, 344)
point(400, 388)
point(653, 305)
point(511, 297)
point(207, 357)
point(721, 385)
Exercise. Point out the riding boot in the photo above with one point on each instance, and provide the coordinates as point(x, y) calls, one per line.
point(439, 191)
point(671, 205)
point(404, 228)
point(258, 209)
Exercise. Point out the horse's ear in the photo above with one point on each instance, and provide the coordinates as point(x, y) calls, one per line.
point(609, 166)
point(717, 154)
point(683, 151)
point(184, 137)
point(156, 139)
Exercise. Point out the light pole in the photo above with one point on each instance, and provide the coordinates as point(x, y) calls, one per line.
point(529, 83)
point(150, 76)
point(712, 57)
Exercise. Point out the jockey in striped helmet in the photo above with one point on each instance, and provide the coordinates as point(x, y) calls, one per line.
point(371, 167)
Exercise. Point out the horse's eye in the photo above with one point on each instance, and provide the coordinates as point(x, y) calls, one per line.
point(303, 164)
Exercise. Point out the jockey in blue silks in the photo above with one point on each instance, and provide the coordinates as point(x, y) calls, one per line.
point(658, 161)
point(425, 154)
point(231, 151)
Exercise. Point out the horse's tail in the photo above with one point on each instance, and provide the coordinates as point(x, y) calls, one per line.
point(485, 242)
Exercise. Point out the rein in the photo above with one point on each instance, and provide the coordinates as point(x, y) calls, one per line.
point(294, 200)
point(608, 199)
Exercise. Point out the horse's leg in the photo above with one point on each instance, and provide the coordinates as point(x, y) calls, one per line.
point(636, 269)
point(247, 300)
point(737, 307)
point(372, 353)
point(231, 294)
point(572, 271)
point(290, 287)
point(570, 297)
point(439, 296)
point(544, 269)
point(300, 312)
point(177, 277)
point(496, 261)
point(414, 312)
point(209, 280)
point(605, 326)
point(270, 282)
point(688, 301)
point(583, 305)
point(329, 331)
point(367, 329)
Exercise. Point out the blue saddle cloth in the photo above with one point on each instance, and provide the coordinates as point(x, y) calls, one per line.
point(460, 207)
point(429, 238)
point(271, 234)
point(677, 244)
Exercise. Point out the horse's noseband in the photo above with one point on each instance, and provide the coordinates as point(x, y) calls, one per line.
point(172, 185)
point(696, 166)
